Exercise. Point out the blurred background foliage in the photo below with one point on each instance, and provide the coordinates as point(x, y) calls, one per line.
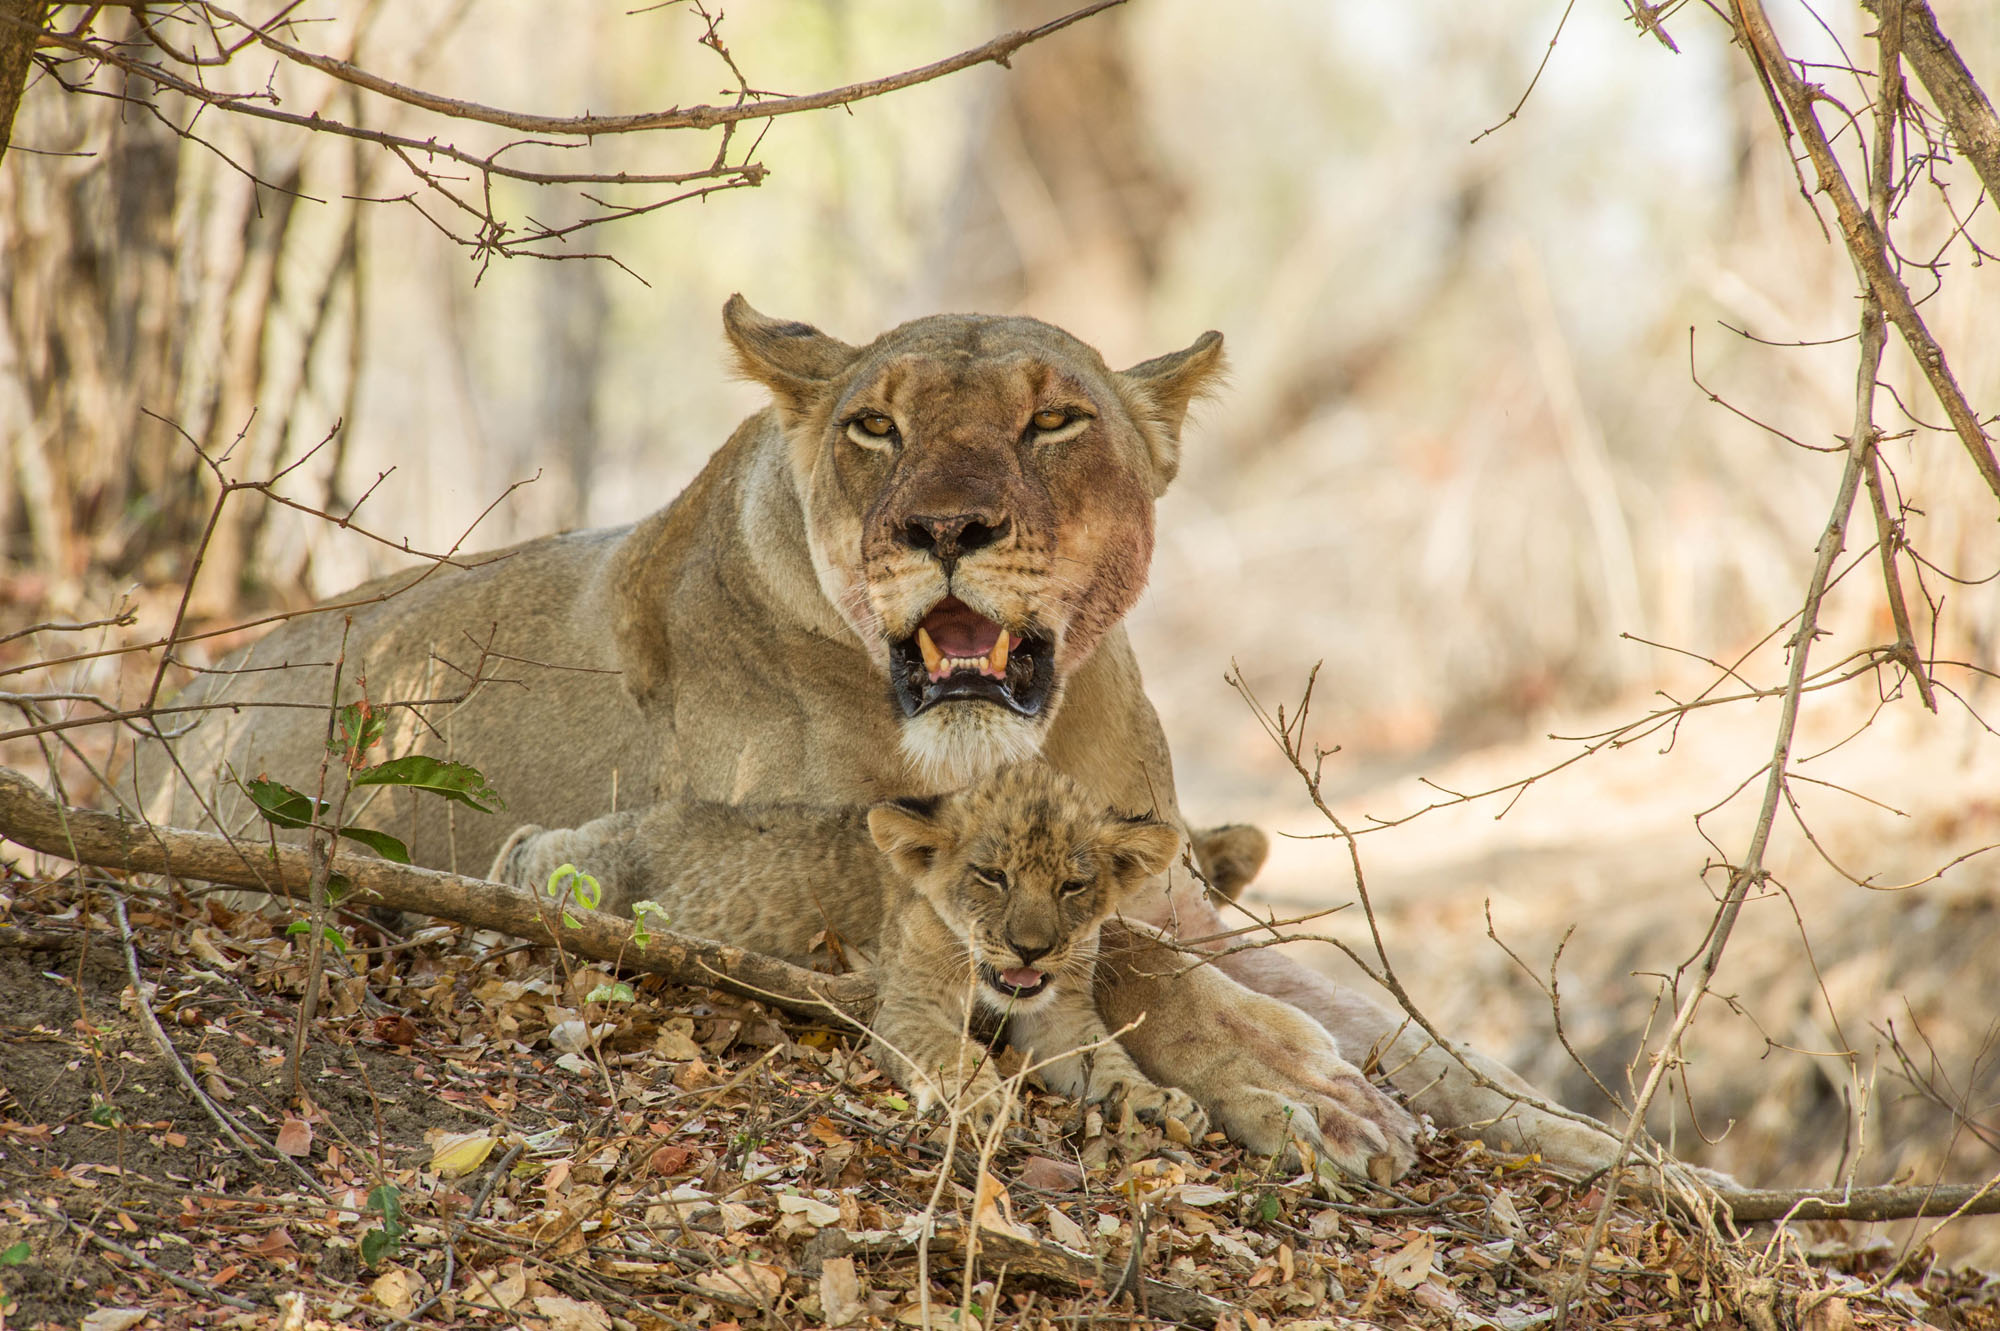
point(1461, 454)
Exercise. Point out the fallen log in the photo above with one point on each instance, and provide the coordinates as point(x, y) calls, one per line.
point(29, 817)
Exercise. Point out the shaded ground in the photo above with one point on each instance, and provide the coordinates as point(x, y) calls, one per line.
point(707, 1164)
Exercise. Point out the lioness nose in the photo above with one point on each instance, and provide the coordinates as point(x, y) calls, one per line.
point(949, 538)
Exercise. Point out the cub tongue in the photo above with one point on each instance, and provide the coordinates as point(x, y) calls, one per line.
point(1021, 977)
point(959, 630)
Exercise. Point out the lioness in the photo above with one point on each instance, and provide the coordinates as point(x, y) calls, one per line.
point(907, 571)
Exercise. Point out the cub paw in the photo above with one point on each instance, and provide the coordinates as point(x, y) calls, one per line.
point(1158, 1105)
point(983, 1105)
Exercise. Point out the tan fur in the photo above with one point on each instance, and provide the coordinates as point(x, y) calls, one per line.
point(679, 697)
point(1021, 868)
point(1229, 857)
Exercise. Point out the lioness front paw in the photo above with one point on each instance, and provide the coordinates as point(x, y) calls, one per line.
point(1157, 1105)
point(1337, 1118)
point(1278, 1084)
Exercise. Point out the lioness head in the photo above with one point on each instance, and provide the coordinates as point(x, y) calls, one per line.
point(978, 494)
point(1024, 867)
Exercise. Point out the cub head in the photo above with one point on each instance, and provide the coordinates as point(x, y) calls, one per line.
point(1024, 867)
point(978, 496)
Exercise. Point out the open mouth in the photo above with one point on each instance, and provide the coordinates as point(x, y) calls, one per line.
point(1020, 982)
point(957, 652)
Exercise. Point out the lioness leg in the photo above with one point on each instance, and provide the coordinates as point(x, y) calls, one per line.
point(1267, 1074)
point(1431, 1077)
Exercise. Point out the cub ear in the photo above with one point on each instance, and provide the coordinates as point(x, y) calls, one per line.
point(1140, 848)
point(1160, 390)
point(794, 360)
point(910, 833)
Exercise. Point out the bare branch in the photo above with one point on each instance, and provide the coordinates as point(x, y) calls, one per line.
point(1960, 100)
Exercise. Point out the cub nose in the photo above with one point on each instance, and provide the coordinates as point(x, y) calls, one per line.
point(947, 539)
point(1028, 955)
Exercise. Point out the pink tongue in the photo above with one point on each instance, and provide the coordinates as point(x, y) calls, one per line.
point(959, 630)
point(1021, 977)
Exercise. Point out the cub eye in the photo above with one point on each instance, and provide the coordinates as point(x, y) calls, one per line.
point(1074, 886)
point(993, 878)
point(872, 430)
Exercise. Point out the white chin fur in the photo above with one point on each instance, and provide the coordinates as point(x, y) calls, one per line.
point(956, 743)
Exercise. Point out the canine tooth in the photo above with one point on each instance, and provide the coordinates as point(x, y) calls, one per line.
point(933, 658)
point(996, 661)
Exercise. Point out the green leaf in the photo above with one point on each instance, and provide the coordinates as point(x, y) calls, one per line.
point(280, 804)
point(640, 910)
point(328, 932)
point(454, 781)
point(379, 1243)
point(17, 1254)
point(106, 1115)
point(360, 730)
point(284, 807)
point(586, 891)
point(616, 992)
point(380, 842)
point(386, 1200)
point(1267, 1207)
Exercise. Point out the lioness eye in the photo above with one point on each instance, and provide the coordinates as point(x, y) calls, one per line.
point(1056, 425)
point(993, 878)
point(871, 430)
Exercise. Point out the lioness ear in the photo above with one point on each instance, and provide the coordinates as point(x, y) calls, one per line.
point(910, 833)
point(1140, 848)
point(1161, 389)
point(1231, 856)
point(792, 359)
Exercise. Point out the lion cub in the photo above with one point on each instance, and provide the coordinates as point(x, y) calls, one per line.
point(1004, 887)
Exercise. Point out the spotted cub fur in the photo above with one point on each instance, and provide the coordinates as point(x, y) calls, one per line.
point(1005, 887)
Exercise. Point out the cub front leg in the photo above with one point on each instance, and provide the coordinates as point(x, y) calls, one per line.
point(921, 1030)
point(1074, 1054)
point(936, 1064)
point(1268, 1075)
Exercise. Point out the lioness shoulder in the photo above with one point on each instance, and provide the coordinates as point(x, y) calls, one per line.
point(1004, 888)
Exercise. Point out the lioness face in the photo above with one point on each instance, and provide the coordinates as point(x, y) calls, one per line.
point(1024, 868)
point(978, 494)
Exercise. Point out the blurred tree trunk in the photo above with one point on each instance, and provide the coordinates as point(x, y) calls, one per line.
point(1064, 205)
point(139, 288)
point(18, 21)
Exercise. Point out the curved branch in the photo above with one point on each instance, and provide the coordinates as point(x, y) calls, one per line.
point(998, 51)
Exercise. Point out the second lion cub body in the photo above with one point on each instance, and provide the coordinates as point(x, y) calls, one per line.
point(1005, 887)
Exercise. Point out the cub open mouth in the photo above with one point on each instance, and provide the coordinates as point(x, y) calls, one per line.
point(1021, 982)
point(958, 653)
